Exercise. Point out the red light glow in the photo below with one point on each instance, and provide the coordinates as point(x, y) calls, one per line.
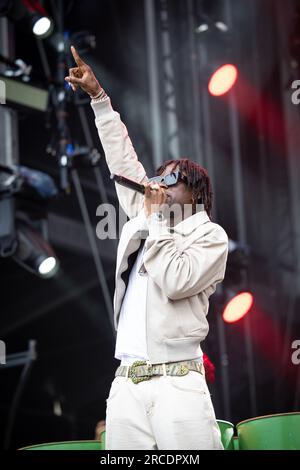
point(222, 80)
point(238, 307)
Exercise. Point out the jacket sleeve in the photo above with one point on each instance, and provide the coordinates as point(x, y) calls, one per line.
point(120, 155)
point(185, 273)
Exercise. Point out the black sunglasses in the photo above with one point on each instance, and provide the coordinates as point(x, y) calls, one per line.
point(170, 179)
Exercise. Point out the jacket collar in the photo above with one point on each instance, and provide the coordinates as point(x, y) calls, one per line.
point(188, 225)
point(185, 227)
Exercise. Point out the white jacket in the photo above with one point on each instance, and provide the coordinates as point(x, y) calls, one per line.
point(184, 264)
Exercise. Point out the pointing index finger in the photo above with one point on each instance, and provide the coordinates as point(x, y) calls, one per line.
point(77, 57)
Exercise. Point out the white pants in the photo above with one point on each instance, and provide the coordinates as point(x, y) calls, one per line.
point(165, 412)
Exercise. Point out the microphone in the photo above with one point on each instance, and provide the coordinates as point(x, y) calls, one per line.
point(128, 183)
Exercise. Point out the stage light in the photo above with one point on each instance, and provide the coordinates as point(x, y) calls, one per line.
point(47, 266)
point(41, 23)
point(222, 80)
point(42, 26)
point(201, 28)
point(221, 26)
point(29, 12)
point(34, 253)
point(207, 23)
point(238, 307)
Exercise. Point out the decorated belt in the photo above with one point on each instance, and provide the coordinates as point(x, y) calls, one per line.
point(140, 370)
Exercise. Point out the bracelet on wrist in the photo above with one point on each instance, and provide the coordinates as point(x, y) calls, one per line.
point(99, 95)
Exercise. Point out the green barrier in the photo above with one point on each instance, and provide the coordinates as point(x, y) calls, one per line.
point(236, 443)
point(102, 440)
point(67, 445)
point(227, 431)
point(273, 432)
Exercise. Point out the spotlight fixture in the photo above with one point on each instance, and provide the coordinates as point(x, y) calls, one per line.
point(41, 23)
point(34, 253)
point(221, 26)
point(206, 23)
point(218, 71)
point(237, 307)
point(29, 12)
point(222, 80)
point(42, 26)
point(201, 28)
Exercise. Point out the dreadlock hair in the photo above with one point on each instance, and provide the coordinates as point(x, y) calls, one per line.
point(197, 178)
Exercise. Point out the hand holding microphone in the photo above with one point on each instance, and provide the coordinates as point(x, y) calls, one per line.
point(155, 197)
point(154, 193)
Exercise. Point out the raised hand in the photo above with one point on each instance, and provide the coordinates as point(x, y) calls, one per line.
point(83, 76)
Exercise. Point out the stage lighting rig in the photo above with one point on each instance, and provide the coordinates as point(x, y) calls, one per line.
point(10, 183)
point(238, 304)
point(31, 13)
point(18, 68)
point(41, 23)
point(33, 252)
point(208, 24)
point(21, 190)
point(218, 71)
point(72, 157)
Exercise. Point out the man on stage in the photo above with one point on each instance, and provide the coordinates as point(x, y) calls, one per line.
point(168, 264)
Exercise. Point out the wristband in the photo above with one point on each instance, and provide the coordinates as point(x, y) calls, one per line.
point(99, 95)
